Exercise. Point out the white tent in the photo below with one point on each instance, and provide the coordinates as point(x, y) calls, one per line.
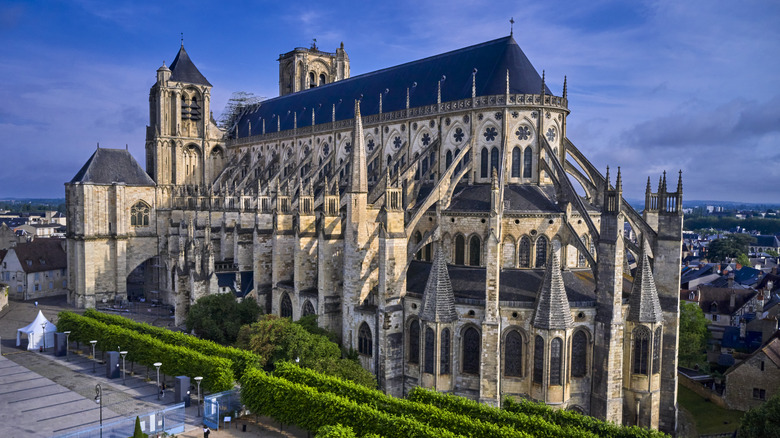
point(36, 331)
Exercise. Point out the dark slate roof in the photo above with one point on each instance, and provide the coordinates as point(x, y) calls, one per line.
point(45, 254)
point(247, 282)
point(438, 302)
point(183, 70)
point(492, 59)
point(722, 297)
point(520, 198)
point(107, 166)
point(643, 304)
point(226, 279)
point(552, 306)
point(766, 240)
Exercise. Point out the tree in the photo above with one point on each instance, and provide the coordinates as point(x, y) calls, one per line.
point(693, 335)
point(743, 260)
point(762, 421)
point(218, 317)
point(138, 433)
point(731, 246)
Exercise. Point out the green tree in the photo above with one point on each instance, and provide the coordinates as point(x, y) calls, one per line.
point(219, 317)
point(730, 246)
point(693, 335)
point(743, 260)
point(138, 433)
point(762, 421)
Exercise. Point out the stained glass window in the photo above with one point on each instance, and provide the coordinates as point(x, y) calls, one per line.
point(483, 168)
point(430, 349)
point(513, 354)
point(414, 342)
point(541, 252)
point(460, 250)
point(657, 351)
point(527, 162)
point(556, 350)
point(641, 349)
point(365, 344)
point(579, 354)
point(139, 214)
point(475, 251)
point(444, 367)
point(308, 308)
point(448, 159)
point(471, 347)
point(286, 307)
point(538, 359)
point(494, 159)
point(516, 162)
point(524, 257)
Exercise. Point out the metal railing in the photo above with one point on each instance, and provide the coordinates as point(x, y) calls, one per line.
point(169, 420)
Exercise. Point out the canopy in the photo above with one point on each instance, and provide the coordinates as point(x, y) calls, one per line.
point(36, 331)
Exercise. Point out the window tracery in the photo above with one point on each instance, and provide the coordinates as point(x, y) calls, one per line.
point(538, 359)
point(365, 343)
point(430, 349)
point(285, 307)
point(513, 354)
point(444, 367)
point(641, 348)
point(414, 342)
point(541, 252)
point(471, 347)
point(579, 354)
point(139, 214)
point(556, 361)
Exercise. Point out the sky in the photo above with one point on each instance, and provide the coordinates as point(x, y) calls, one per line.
point(669, 85)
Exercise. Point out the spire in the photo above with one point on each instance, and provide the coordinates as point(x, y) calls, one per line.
point(660, 183)
point(565, 93)
point(438, 303)
point(542, 92)
point(664, 182)
point(606, 179)
point(679, 183)
point(552, 305)
point(619, 182)
point(358, 183)
point(648, 189)
point(643, 304)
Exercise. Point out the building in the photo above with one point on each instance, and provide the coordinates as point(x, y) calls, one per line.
point(425, 212)
point(35, 269)
point(756, 379)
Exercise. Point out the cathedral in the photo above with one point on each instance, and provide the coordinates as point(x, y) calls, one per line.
point(434, 215)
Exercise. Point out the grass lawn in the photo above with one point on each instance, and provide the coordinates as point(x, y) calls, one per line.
point(709, 417)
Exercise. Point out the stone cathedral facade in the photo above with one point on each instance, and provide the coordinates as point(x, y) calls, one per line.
point(427, 213)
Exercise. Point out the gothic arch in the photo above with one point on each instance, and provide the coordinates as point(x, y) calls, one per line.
point(365, 341)
point(514, 344)
point(140, 214)
point(640, 350)
point(308, 309)
point(541, 252)
point(475, 250)
point(471, 344)
point(285, 306)
point(508, 252)
point(580, 353)
point(413, 339)
point(524, 252)
point(459, 248)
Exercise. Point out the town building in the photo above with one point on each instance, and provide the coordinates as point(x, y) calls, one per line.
point(35, 269)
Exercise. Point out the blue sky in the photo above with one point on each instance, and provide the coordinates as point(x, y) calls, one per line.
point(653, 85)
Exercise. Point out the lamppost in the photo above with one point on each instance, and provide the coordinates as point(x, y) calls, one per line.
point(43, 326)
point(99, 400)
point(93, 356)
point(159, 388)
point(67, 344)
point(124, 370)
point(198, 379)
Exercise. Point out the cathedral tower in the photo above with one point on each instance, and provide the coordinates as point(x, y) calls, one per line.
point(301, 68)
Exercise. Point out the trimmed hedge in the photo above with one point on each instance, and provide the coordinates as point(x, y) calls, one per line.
point(298, 404)
point(533, 424)
point(573, 419)
point(241, 359)
point(424, 413)
point(143, 348)
point(336, 431)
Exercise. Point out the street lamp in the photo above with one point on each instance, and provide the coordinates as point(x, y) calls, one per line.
point(43, 326)
point(124, 370)
point(159, 388)
point(198, 379)
point(99, 400)
point(93, 356)
point(67, 344)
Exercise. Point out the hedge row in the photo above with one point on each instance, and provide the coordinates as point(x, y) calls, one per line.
point(533, 424)
point(573, 419)
point(143, 348)
point(424, 413)
point(294, 403)
point(241, 359)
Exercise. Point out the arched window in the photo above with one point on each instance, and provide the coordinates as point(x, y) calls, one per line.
point(527, 162)
point(312, 80)
point(538, 359)
point(556, 354)
point(430, 350)
point(483, 165)
point(448, 159)
point(516, 162)
point(417, 240)
point(579, 354)
point(541, 252)
point(365, 344)
point(524, 256)
point(471, 347)
point(444, 367)
point(322, 79)
point(641, 350)
point(414, 342)
point(513, 354)
point(285, 307)
point(475, 251)
point(460, 250)
point(657, 351)
point(494, 159)
point(308, 309)
point(424, 165)
point(464, 160)
point(139, 214)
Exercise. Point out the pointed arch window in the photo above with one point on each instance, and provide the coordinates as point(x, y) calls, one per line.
point(556, 361)
point(308, 308)
point(464, 160)
point(657, 350)
point(475, 251)
point(365, 343)
point(448, 159)
point(430, 350)
point(538, 359)
point(312, 80)
point(285, 307)
point(641, 349)
point(524, 256)
point(460, 250)
point(494, 159)
point(414, 342)
point(139, 214)
point(579, 354)
point(513, 354)
point(417, 240)
point(483, 165)
point(541, 252)
point(516, 162)
point(444, 367)
point(527, 162)
point(471, 347)
point(322, 79)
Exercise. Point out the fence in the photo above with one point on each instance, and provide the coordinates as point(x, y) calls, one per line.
point(218, 406)
point(169, 420)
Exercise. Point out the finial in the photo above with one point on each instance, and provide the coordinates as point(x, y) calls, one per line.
point(126, 147)
point(511, 26)
point(619, 181)
point(647, 189)
point(98, 145)
point(660, 183)
point(679, 183)
point(542, 92)
point(182, 39)
point(606, 178)
point(664, 181)
point(565, 93)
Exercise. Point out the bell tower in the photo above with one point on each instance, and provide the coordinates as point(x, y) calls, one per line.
point(302, 68)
